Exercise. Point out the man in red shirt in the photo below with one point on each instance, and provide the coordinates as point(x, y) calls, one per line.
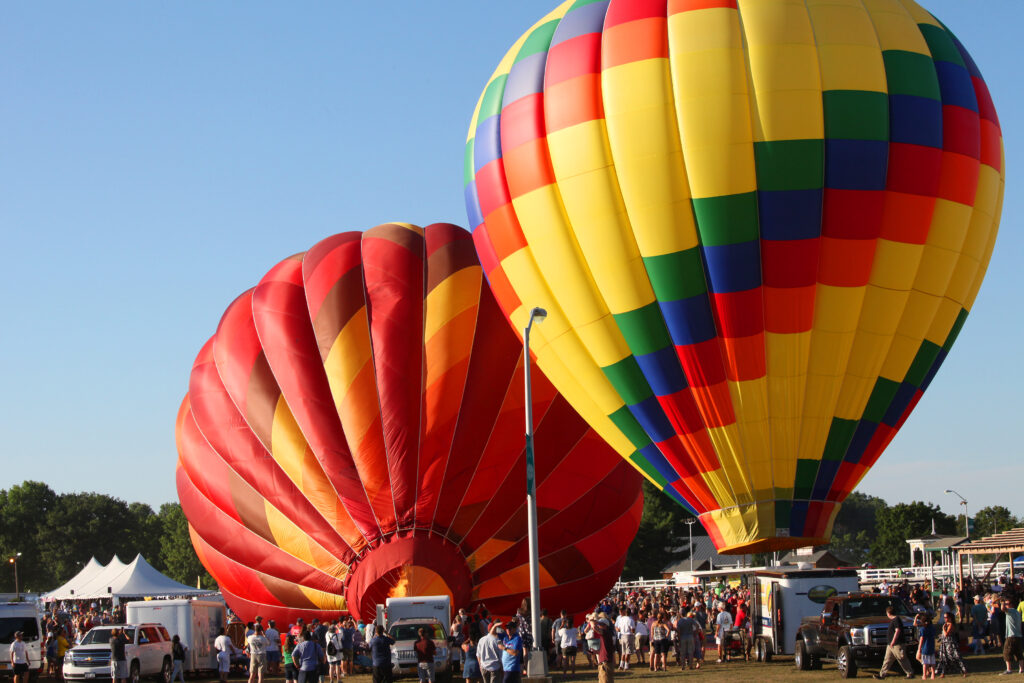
point(425, 650)
point(743, 624)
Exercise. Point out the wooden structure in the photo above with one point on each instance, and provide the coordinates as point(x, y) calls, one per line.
point(1008, 542)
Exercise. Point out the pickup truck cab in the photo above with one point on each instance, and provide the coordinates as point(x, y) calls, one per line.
point(851, 630)
point(148, 653)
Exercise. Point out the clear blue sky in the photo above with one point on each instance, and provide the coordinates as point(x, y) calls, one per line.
point(156, 158)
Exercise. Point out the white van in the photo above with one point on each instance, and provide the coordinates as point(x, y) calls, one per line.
point(403, 618)
point(195, 622)
point(24, 617)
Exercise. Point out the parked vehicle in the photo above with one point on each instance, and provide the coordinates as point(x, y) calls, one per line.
point(783, 596)
point(24, 617)
point(148, 653)
point(403, 618)
point(851, 630)
point(195, 622)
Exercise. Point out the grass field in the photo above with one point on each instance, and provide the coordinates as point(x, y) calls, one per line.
point(779, 669)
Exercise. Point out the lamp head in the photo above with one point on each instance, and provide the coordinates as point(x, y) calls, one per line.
point(538, 314)
point(949, 490)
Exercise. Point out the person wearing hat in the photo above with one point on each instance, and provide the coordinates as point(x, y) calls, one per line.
point(488, 654)
point(19, 658)
point(512, 657)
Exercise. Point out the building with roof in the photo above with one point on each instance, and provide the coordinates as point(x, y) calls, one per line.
point(819, 557)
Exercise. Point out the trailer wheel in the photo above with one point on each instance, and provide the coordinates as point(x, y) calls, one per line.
point(767, 651)
point(801, 659)
point(846, 663)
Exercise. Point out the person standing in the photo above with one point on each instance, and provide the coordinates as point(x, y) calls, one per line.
point(19, 658)
point(178, 658)
point(949, 648)
point(291, 672)
point(309, 656)
point(567, 635)
point(625, 628)
point(471, 665)
point(894, 651)
point(979, 626)
point(926, 648)
point(723, 623)
point(118, 662)
point(1012, 641)
point(488, 653)
point(605, 649)
point(380, 655)
point(642, 638)
point(347, 637)
point(257, 646)
point(225, 648)
point(512, 656)
point(425, 651)
point(335, 671)
point(273, 648)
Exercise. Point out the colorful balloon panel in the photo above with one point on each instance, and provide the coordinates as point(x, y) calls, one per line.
point(757, 226)
point(354, 430)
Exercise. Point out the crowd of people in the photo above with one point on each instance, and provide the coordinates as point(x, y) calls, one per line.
point(628, 628)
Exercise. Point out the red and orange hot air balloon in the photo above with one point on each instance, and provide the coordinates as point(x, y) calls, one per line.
point(354, 430)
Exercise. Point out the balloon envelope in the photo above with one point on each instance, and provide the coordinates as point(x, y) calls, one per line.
point(757, 226)
point(354, 430)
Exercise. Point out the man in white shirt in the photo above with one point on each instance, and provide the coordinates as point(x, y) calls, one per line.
point(19, 658)
point(488, 653)
point(625, 627)
point(723, 623)
point(257, 646)
point(225, 648)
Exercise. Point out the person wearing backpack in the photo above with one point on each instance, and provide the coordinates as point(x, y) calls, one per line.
point(334, 664)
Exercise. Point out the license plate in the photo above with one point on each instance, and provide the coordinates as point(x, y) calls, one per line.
point(3, 665)
point(90, 674)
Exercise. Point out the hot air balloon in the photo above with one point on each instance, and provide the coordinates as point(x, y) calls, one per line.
point(354, 430)
point(757, 226)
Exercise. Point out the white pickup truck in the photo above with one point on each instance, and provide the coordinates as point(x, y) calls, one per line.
point(403, 618)
point(148, 653)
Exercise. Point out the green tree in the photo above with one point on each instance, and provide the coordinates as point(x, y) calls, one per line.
point(176, 551)
point(662, 537)
point(23, 507)
point(854, 528)
point(83, 525)
point(990, 520)
point(147, 529)
point(900, 522)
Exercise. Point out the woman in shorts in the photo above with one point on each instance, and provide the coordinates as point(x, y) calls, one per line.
point(567, 641)
point(660, 643)
point(291, 672)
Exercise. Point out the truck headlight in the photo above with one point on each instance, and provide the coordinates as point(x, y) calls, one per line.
point(859, 635)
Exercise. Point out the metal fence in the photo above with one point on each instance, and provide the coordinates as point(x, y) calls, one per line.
point(869, 577)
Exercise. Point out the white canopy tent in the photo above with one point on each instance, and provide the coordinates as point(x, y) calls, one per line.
point(119, 580)
point(91, 569)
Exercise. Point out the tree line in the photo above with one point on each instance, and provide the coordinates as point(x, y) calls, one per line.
point(56, 535)
point(867, 530)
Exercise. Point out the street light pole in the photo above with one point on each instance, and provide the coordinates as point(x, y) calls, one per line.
point(14, 561)
point(689, 526)
point(963, 501)
point(538, 664)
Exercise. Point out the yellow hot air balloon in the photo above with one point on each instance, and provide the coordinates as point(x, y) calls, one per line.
point(757, 227)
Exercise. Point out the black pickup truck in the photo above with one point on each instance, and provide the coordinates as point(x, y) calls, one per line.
point(851, 631)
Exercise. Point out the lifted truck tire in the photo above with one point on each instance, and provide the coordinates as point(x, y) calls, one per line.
point(801, 659)
point(846, 663)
